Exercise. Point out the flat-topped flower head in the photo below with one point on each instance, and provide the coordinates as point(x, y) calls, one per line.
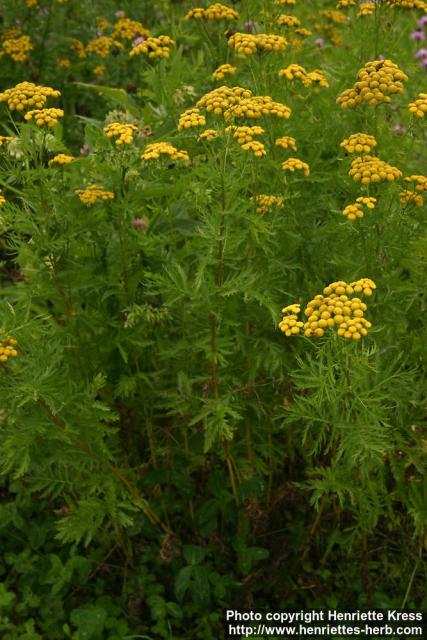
point(419, 182)
point(367, 169)
point(27, 95)
point(334, 309)
point(157, 149)
point(224, 70)
point(208, 135)
point(257, 107)
point(128, 29)
point(61, 159)
point(287, 142)
point(245, 134)
point(219, 100)
point(249, 43)
point(214, 11)
point(366, 9)
point(419, 106)
point(122, 132)
point(17, 48)
point(407, 196)
point(45, 117)
point(359, 143)
point(288, 21)
point(377, 81)
point(102, 46)
point(94, 193)
point(354, 211)
point(190, 119)
point(265, 203)
point(8, 349)
point(255, 147)
point(152, 47)
point(294, 164)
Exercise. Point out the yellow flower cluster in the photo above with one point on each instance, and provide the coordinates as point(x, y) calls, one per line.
point(64, 63)
point(2, 199)
point(94, 192)
point(27, 94)
point(332, 309)
point(334, 16)
point(353, 211)
point(48, 117)
point(221, 99)
point(359, 143)
point(304, 33)
point(293, 71)
point(288, 21)
point(215, 11)
point(191, 118)
point(99, 70)
point(248, 43)
point(208, 134)
point(257, 148)
point(408, 4)
point(317, 77)
point(7, 349)
point(128, 29)
point(345, 3)
point(367, 169)
point(257, 107)
point(61, 159)
point(419, 181)
point(224, 70)
point(155, 150)
point(377, 80)
point(245, 134)
point(366, 9)
point(308, 78)
point(102, 45)
point(281, 3)
point(123, 132)
point(287, 142)
point(411, 196)
point(290, 325)
point(419, 107)
point(294, 164)
point(17, 48)
point(79, 48)
point(32, 3)
point(154, 47)
point(5, 139)
point(102, 24)
point(265, 203)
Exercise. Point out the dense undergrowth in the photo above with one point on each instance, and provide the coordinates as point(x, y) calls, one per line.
point(166, 450)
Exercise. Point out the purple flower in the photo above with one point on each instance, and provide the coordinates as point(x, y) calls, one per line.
point(422, 22)
point(249, 26)
point(417, 35)
point(139, 223)
point(84, 150)
point(319, 42)
point(138, 40)
point(381, 57)
point(120, 14)
point(423, 63)
point(421, 54)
